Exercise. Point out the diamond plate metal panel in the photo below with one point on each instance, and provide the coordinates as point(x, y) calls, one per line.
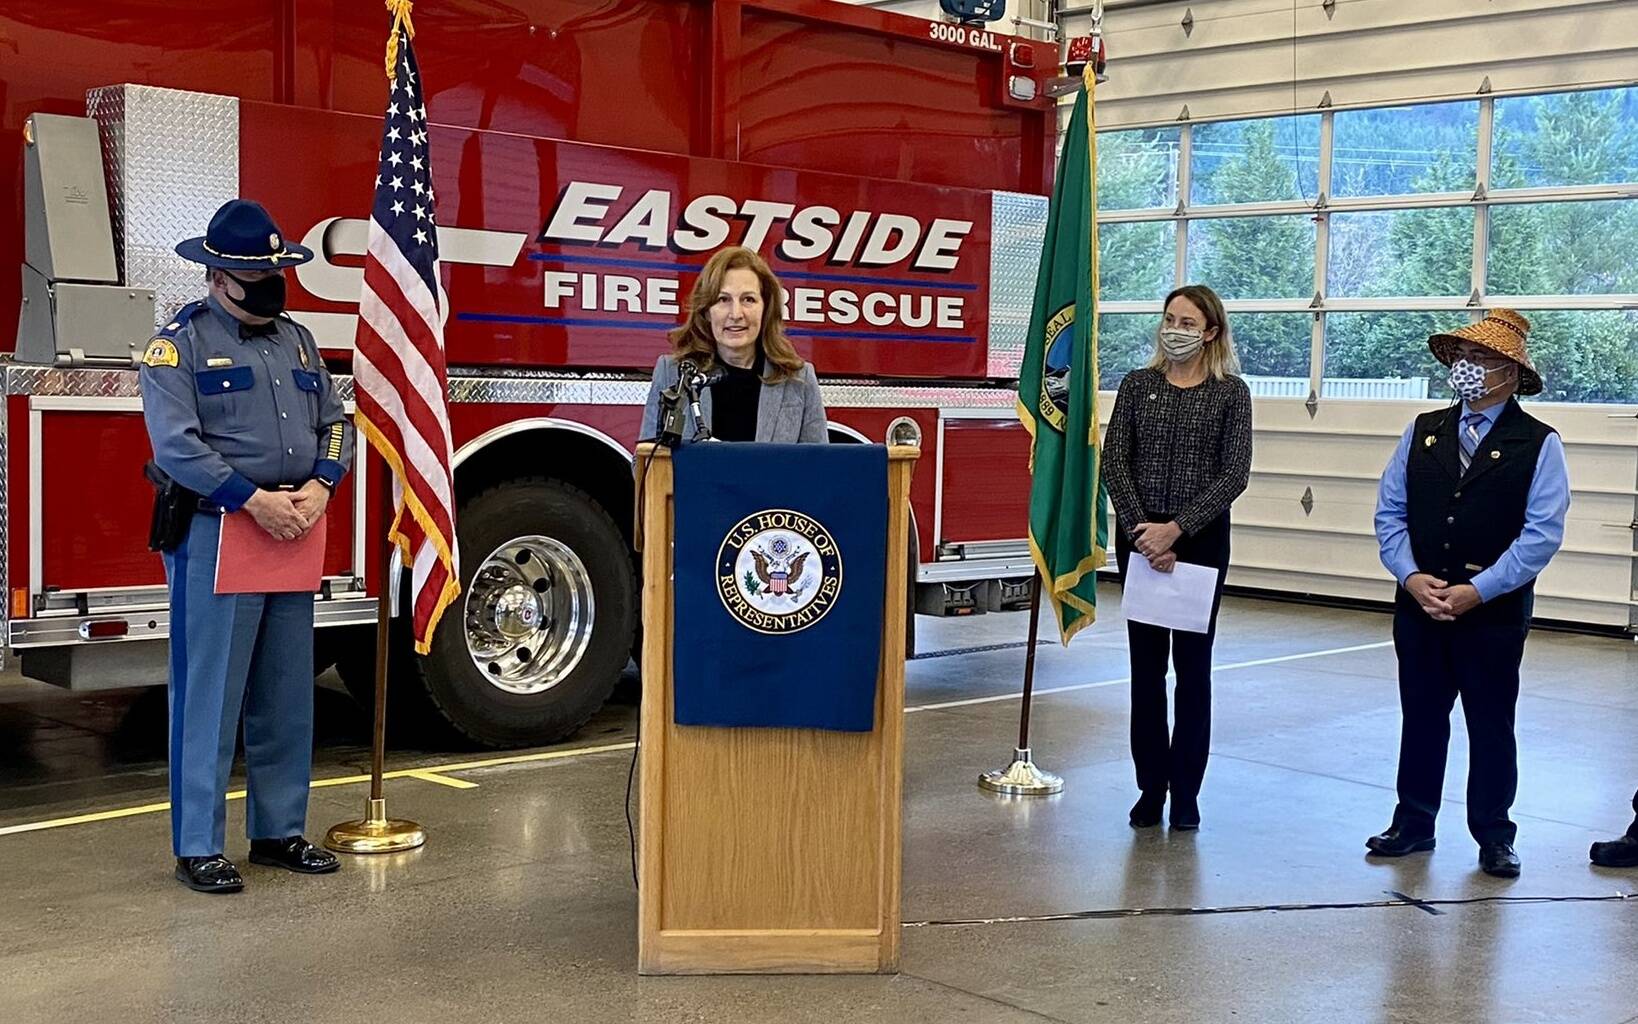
point(1017, 228)
point(520, 389)
point(106, 106)
point(862, 395)
point(49, 380)
point(176, 160)
point(487, 390)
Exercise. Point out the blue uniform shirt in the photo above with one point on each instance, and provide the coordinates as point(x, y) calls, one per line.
point(1546, 507)
point(231, 408)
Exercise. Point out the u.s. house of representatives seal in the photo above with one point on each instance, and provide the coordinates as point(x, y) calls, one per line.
point(779, 571)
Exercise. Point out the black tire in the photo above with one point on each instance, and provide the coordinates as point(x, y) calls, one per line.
point(459, 692)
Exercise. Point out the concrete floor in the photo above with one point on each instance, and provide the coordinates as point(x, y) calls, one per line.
point(521, 907)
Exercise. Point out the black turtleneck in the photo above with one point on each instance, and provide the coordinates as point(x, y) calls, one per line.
point(734, 402)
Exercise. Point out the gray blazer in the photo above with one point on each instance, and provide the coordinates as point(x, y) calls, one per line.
point(789, 412)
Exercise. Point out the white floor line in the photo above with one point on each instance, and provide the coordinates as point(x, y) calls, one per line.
point(997, 698)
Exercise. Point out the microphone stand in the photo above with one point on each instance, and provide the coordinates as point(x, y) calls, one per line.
point(701, 431)
point(678, 400)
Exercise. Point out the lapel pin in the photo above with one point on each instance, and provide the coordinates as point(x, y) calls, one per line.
point(1428, 442)
point(1495, 454)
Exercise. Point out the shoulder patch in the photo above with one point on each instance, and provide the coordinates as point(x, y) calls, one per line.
point(161, 352)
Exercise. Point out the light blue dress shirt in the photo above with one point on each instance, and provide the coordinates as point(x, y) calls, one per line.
point(1547, 505)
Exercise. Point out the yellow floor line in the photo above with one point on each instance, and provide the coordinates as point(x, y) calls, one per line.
point(85, 819)
point(443, 780)
point(434, 773)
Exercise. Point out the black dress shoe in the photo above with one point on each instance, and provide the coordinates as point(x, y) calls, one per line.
point(1617, 853)
point(1395, 843)
point(1146, 812)
point(1185, 813)
point(213, 874)
point(293, 854)
point(1499, 860)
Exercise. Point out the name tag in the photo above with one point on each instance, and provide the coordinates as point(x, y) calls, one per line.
point(1470, 567)
point(218, 361)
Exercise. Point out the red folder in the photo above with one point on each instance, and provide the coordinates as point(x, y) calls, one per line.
point(249, 560)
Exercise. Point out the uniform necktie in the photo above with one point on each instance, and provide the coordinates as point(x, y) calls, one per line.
point(1470, 437)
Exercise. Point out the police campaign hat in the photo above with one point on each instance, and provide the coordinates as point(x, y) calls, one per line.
point(242, 236)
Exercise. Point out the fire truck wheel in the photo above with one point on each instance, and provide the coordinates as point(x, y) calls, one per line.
point(544, 624)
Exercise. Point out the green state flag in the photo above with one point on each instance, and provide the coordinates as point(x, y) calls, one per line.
point(1058, 389)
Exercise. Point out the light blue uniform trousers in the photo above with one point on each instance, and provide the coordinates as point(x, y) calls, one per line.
point(231, 653)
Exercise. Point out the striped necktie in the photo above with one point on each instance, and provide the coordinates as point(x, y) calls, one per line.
point(1470, 437)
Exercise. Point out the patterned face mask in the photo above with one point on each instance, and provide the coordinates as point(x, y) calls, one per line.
point(1180, 346)
point(1467, 379)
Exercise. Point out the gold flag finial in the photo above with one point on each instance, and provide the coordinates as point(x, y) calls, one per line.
point(400, 11)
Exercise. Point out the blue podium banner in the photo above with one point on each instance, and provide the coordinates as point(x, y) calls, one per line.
point(780, 581)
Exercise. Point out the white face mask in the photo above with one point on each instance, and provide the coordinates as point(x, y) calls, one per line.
point(1181, 346)
point(1467, 379)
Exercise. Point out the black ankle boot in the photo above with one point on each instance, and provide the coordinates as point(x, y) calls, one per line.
point(1146, 812)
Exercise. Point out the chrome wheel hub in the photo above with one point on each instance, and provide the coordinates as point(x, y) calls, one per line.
point(528, 614)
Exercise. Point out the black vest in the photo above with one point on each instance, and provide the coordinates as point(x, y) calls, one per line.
point(1461, 524)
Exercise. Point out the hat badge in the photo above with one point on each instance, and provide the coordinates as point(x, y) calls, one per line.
point(273, 240)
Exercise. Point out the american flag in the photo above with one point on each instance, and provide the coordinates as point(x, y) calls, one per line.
point(398, 366)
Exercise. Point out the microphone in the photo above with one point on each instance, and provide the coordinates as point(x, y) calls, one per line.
point(684, 396)
point(695, 380)
point(711, 379)
point(673, 409)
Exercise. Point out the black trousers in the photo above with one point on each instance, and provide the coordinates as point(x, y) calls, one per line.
point(1177, 761)
point(1633, 831)
point(1477, 661)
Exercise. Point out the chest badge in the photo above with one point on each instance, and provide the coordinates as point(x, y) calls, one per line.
point(301, 350)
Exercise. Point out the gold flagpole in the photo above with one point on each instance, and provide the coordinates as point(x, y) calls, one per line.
point(375, 832)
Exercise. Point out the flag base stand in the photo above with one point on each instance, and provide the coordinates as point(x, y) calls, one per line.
point(1021, 778)
point(375, 833)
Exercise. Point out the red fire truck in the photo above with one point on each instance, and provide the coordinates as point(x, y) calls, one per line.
point(587, 157)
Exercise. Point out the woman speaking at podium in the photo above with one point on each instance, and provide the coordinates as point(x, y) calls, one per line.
point(732, 351)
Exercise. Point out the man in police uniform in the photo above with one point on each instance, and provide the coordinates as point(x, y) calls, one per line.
point(242, 412)
point(1470, 511)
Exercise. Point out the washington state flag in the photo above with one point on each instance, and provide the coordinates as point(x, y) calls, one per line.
point(1058, 388)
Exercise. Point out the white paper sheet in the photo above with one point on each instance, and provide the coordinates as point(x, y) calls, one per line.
point(1180, 599)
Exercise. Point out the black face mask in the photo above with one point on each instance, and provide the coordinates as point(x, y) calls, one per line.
point(262, 298)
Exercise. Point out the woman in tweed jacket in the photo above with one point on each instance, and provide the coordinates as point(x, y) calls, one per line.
point(1177, 454)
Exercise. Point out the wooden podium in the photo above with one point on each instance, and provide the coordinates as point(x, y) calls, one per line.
point(767, 851)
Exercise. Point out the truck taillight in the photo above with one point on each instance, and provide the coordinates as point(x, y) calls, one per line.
point(105, 629)
point(19, 603)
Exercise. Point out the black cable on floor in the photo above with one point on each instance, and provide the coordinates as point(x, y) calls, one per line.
point(1401, 901)
point(631, 773)
point(956, 651)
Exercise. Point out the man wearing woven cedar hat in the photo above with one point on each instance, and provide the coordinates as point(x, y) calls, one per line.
point(244, 420)
point(1470, 511)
